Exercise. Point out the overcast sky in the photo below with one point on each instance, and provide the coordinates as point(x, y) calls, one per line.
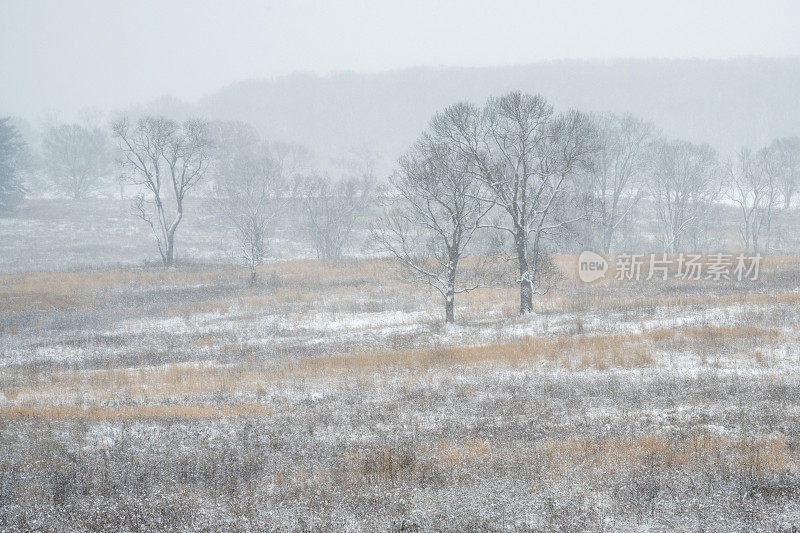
point(64, 55)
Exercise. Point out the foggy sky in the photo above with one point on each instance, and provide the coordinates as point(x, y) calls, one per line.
point(57, 55)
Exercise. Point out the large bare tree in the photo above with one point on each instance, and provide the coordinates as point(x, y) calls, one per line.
point(167, 158)
point(525, 156)
point(76, 158)
point(433, 211)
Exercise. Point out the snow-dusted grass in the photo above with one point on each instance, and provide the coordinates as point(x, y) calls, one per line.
point(332, 397)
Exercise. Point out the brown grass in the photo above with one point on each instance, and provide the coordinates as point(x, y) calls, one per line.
point(581, 352)
point(156, 384)
point(726, 333)
point(453, 454)
point(703, 450)
point(568, 457)
point(151, 384)
point(485, 300)
point(61, 290)
point(135, 412)
point(328, 273)
point(306, 280)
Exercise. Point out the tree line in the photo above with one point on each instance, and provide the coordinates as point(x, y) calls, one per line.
point(543, 179)
point(512, 177)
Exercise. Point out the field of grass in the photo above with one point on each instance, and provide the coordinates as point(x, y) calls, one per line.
point(331, 396)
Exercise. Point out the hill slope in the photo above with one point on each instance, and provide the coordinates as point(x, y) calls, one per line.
point(726, 103)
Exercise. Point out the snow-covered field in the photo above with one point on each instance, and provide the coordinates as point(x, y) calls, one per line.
point(57, 234)
point(330, 396)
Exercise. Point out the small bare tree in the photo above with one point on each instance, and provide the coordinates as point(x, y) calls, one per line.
point(783, 164)
point(247, 197)
point(331, 209)
point(682, 185)
point(291, 159)
point(12, 152)
point(230, 139)
point(76, 158)
point(159, 153)
point(750, 189)
point(614, 180)
point(433, 211)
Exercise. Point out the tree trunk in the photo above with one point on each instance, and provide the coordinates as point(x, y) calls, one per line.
point(169, 253)
point(608, 235)
point(253, 273)
point(449, 308)
point(769, 229)
point(252, 263)
point(525, 283)
point(169, 256)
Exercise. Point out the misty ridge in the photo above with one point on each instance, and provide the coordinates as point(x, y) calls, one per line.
point(725, 103)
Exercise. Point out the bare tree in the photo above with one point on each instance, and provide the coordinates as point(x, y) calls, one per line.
point(12, 150)
point(159, 154)
point(682, 185)
point(775, 163)
point(230, 139)
point(613, 183)
point(291, 159)
point(433, 211)
point(247, 197)
point(76, 157)
point(525, 155)
point(331, 209)
point(783, 160)
point(750, 189)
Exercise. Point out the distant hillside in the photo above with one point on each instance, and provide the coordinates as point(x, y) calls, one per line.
point(725, 103)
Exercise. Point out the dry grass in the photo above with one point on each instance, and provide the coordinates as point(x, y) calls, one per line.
point(582, 352)
point(725, 333)
point(287, 282)
point(139, 412)
point(440, 422)
point(66, 283)
point(504, 300)
point(768, 454)
point(328, 273)
point(156, 384)
point(60, 290)
point(569, 457)
point(452, 454)
point(631, 303)
point(146, 385)
point(219, 306)
point(301, 281)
